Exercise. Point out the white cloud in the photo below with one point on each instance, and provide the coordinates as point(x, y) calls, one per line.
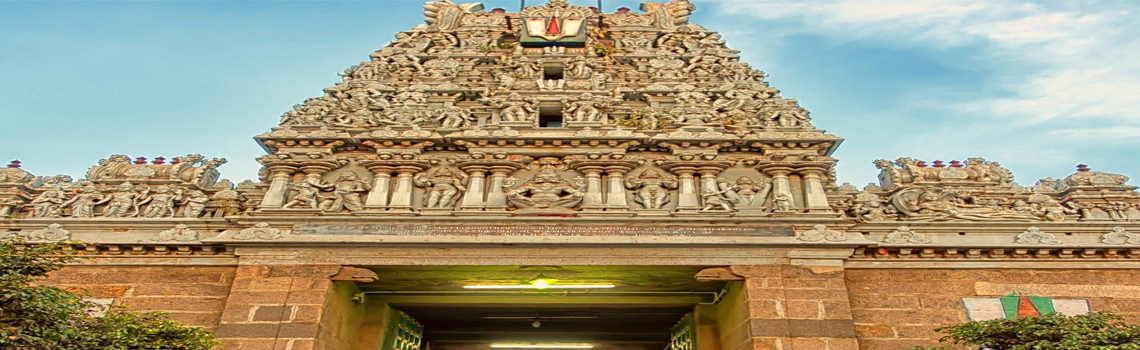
point(1074, 60)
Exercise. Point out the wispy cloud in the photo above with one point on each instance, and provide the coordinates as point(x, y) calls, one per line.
point(1083, 53)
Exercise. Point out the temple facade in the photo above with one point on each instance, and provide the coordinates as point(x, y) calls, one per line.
point(563, 177)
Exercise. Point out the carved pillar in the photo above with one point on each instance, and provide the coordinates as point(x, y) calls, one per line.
point(688, 199)
point(402, 193)
point(780, 184)
point(476, 186)
point(496, 194)
point(278, 186)
point(815, 199)
point(381, 186)
point(615, 190)
point(593, 198)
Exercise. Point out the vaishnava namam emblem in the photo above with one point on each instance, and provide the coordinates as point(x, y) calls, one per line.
point(558, 26)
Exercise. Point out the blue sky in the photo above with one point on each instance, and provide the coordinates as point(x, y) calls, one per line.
point(1038, 86)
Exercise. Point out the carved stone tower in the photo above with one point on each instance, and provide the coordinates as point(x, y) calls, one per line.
point(560, 174)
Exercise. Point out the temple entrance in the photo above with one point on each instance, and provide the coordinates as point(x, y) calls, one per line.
point(546, 307)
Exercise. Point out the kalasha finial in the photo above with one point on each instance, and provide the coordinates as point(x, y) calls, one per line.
point(921, 164)
point(160, 160)
point(955, 164)
point(1081, 168)
point(15, 163)
point(140, 160)
point(939, 164)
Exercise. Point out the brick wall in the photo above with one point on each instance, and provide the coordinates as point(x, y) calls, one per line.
point(899, 308)
point(194, 295)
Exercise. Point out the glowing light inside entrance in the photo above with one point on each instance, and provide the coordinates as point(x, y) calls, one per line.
point(541, 346)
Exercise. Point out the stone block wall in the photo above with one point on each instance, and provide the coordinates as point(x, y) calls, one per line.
point(798, 307)
point(277, 307)
point(194, 295)
point(899, 308)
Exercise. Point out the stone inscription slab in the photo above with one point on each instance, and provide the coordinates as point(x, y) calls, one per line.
point(541, 230)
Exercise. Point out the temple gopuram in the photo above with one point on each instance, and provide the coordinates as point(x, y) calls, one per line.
point(563, 178)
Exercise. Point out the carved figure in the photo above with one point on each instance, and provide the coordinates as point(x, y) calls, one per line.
point(123, 202)
point(161, 202)
point(84, 202)
point(347, 193)
point(579, 68)
point(546, 190)
point(782, 202)
point(48, 204)
point(308, 191)
point(446, 15)
point(669, 15)
point(713, 197)
point(455, 117)
point(652, 188)
point(525, 68)
point(933, 204)
point(745, 192)
point(515, 108)
point(585, 108)
point(8, 206)
point(444, 186)
point(195, 202)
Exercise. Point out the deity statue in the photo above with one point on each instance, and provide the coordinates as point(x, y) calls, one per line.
point(124, 201)
point(868, 206)
point(195, 202)
point(454, 117)
point(633, 41)
point(307, 192)
point(161, 202)
point(578, 68)
point(585, 108)
point(713, 197)
point(545, 191)
point(444, 186)
point(652, 188)
point(48, 204)
point(515, 108)
point(745, 192)
point(782, 202)
point(84, 202)
point(525, 68)
point(347, 191)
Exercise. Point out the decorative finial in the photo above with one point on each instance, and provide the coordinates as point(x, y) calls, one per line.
point(140, 160)
point(939, 164)
point(1082, 168)
point(955, 164)
point(160, 160)
point(15, 163)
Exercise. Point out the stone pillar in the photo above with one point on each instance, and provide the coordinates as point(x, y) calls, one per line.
point(780, 182)
point(797, 307)
point(276, 307)
point(593, 196)
point(381, 186)
point(496, 194)
point(278, 187)
point(402, 193)
point(815, 199)
point(476, 186)
point(708, 179)
point(688, 199)
point(615, 190)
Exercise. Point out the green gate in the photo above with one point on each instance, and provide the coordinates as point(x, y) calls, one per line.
point(683, 335)
point(403, 332)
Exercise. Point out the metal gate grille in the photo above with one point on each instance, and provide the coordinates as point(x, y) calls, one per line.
point(683, 335)
point(403, 332)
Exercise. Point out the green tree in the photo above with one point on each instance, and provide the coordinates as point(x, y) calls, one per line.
point(1053, 331)
point(34, 317)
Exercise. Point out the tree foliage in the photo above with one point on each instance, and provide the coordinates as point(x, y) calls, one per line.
point(1053, 331)
point(34, 317)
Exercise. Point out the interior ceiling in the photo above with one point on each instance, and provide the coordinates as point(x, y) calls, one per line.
point(635, 315)
point(626, 278)
point(456, 326)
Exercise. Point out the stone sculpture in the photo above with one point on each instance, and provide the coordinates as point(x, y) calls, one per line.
point(546, 190)
point(652, 188)
point(444, 186)
point(347, 194)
